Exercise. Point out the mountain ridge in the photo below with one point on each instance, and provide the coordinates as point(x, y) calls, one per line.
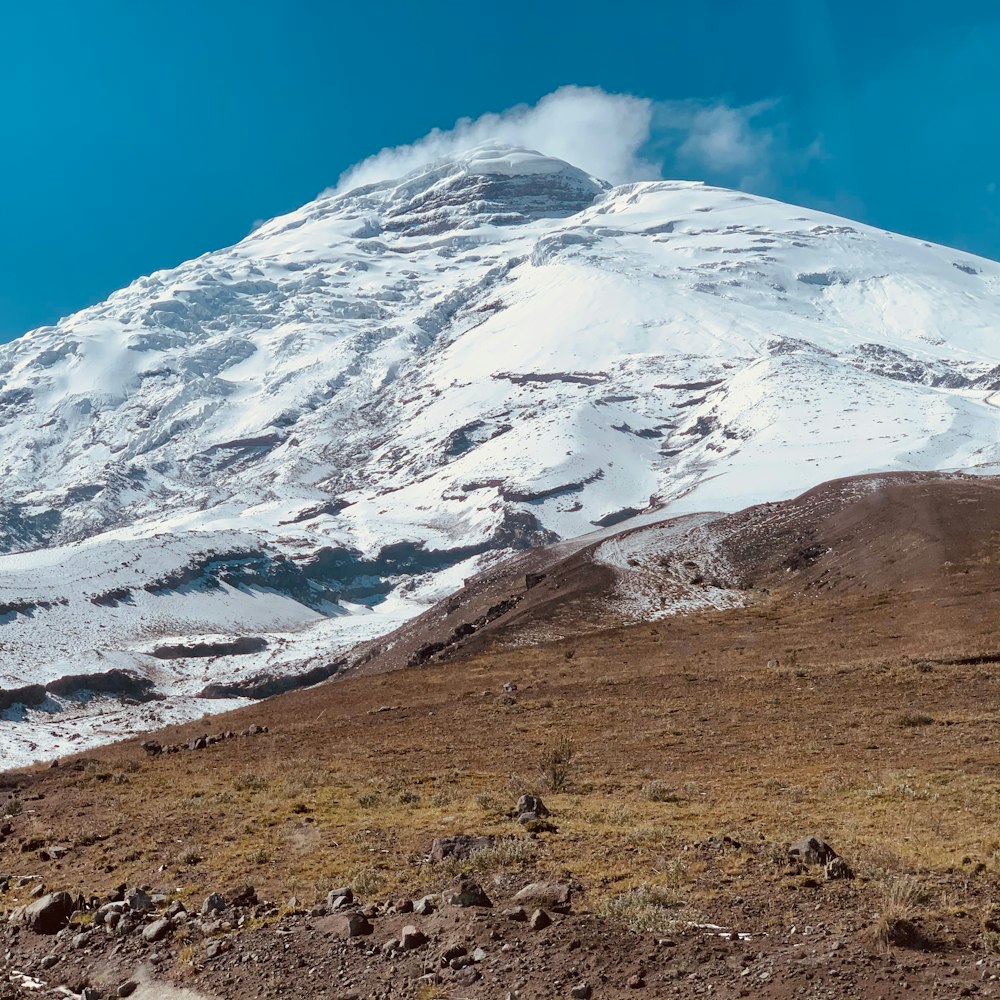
point(316, 433)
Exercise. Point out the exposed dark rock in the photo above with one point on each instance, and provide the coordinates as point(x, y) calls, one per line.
point(49, 914)
point(812, 851)
point(240, 646)
point(459, 847)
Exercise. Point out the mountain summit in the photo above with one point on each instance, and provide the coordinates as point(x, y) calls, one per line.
point(252, 461)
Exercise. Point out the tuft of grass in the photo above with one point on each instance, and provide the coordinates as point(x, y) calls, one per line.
point(189, 856)
point(511, 852)
point(367, 881)
point(911, 720)
point(897, 910)
point(13, 807)
point(556, 763)
point(491, 803)
point(643, 910)
point(249, 781)
point(259, 856)
point(659, 791)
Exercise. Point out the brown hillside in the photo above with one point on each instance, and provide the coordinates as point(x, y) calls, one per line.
point(855, 694)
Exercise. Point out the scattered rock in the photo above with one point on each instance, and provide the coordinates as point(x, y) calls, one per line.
point(635, 981)
point(410, 937)
point(459, 847)
point(838, 868)
point(139, 901)
point(582, 991)
point(157, 930)
point(812, 851)
point(554, 896)
point(469, 893)
point(49, 914)
point(214, 903)
point(349, 925)
point(539, 920)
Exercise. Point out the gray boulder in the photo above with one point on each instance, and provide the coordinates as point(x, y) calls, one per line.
point(157, 930)
point(469, 893)
point(554, 896)
point(812, 851)
point(50, 914)
point(460, 847)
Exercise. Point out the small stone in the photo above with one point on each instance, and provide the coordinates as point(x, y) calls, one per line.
point(532, 804)
point(517, 913)
point(635, 981)
point(411, 938)
point(550, 895)
point(838, 868)
point(403, 905)
point(337, 898)
point(469, 893)
point(479, 955)
point(424, 907)
point(812, 851)
point(139, 901)
point(539, 920)
point(468, 977)
point(582, 991)
point(214, 903)
point(350, 925)
point(157, 930)
point(49, 960)
point(127, 988)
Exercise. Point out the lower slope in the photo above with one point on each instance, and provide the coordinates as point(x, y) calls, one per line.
point(852, 691)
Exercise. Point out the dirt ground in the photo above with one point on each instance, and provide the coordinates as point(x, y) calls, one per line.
point(679, 759)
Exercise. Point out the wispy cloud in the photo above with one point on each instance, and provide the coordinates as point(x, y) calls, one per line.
point(617, 137)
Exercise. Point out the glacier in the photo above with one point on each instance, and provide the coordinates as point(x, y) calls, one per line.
point(312, 435)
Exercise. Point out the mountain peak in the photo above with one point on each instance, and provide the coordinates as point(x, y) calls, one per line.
point(493, 183)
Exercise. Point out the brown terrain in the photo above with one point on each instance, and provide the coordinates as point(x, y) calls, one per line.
point(689, 699)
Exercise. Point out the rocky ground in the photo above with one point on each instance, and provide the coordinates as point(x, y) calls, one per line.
point(382, 822)
point(543, 940)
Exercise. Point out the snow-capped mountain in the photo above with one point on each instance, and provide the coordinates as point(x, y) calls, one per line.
point(308, 436)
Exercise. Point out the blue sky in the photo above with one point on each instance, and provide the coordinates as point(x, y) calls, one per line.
point(137, 135)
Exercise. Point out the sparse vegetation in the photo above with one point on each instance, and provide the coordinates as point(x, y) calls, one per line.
point(659, 791)
point(249, 781)
point(556, 762)
point(910, 720)
point(897, 909)
point(642, 910)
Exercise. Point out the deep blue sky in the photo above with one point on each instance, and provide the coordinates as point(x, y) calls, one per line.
point(136, 135)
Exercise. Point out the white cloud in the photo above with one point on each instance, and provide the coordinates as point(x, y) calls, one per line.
point(599, 132)
point(617, 137)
